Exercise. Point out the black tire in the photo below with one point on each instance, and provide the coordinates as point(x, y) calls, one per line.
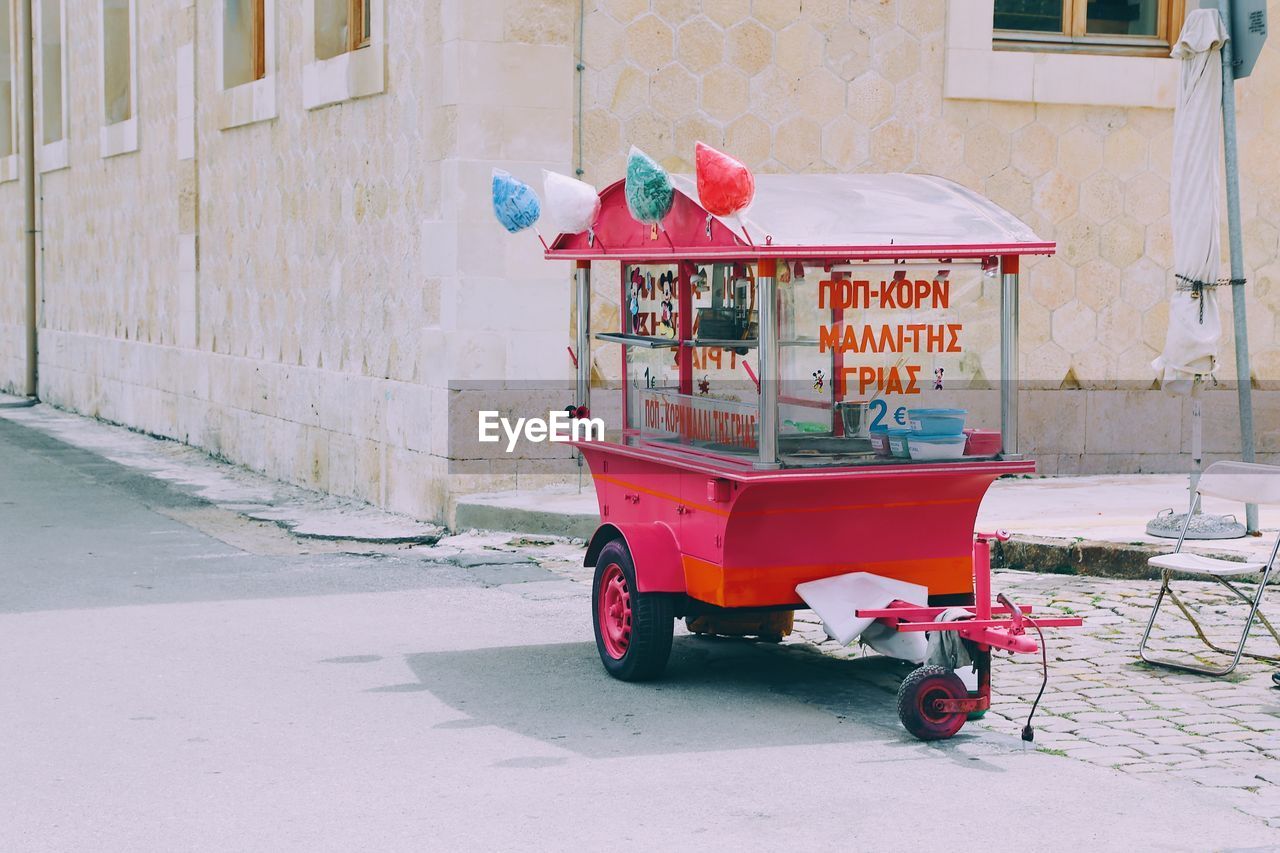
point(651, 626)
point(916, 696)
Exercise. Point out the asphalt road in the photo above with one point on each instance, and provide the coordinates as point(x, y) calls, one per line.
point(178, 678)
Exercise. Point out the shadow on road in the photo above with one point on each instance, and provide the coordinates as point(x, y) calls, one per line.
point(716, 695)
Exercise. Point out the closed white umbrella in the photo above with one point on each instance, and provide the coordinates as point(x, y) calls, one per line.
point(1191, 348)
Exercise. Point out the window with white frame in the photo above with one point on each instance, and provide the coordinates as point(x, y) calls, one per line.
point(345, 47)
point(118, 37)
point(244, 53)
point(247, 57)
point(117, 61)
point(51, 35)
point(1133, 27)
point(342, 26)
point(8, 74)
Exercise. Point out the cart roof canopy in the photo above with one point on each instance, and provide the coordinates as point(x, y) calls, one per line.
point(813, 216)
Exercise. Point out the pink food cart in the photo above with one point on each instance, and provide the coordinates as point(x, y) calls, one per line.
point(792, 382)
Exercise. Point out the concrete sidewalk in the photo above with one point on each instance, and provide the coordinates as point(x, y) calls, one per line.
point(1074, 525)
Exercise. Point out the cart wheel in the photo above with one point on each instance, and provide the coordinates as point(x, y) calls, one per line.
point(917, 695)
point(633, 629)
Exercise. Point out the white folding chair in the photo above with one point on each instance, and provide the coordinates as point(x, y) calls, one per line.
point(1240, 481)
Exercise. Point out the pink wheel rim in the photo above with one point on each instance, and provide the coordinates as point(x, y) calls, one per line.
point(613, 611)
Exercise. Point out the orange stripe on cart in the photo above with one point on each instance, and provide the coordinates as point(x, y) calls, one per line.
point(763, 586)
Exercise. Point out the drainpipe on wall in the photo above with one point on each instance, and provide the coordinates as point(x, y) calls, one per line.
point(27, 158)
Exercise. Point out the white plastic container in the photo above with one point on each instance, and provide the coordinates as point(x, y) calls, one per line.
point(926, 447)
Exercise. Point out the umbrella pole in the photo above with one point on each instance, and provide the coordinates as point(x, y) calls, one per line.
point(1197, 457)
point(1243, 380)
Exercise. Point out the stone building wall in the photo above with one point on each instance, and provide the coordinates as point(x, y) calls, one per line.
point(858, 86)
point(310, 292)
point(300, 293)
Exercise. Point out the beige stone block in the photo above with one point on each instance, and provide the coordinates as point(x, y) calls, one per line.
point(1098, 284)
point(870, 99)
point(874, 16)
point(896, 55)
point(989, 75)
point(1261, 243)
point(798, 144)
point(848, 50)
point(1143, 284)
point(1132, 421)
point(725, 93)
point(652, 134)
point(602, 39)
point(846, 144)
point(919, 98)
point(1077, 239)
point(624, 10)
point(1094, 367)
point(1052, 421)
point(940, 149)
point(675, 11)
point(773, 95)
point(749, 139)
point(631, 92)
point(1074, 326)
point(1146, 198)
point(1035, 150)
point(1118, 322)
point(922, 17)
point(1155, 325)
point(1159, 245)
point(1055, 196)
point(650, 42)
point(540, 21)
point(726, 13)
point(750, 47)
point(673, 91)
point(601, 131)
point(1079, 153)
point(696, 129)
point(1046, 365)
point(798, 49)
point(893, 146)
point(1052, 282)
point(777, 14)
point(1122, 242)
point(1125, 152)
point(1010, 189)
point(820, 95)
point(700, 45)
point(1101, 197)
point(986, 149)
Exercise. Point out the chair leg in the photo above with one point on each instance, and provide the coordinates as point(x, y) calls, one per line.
point(1254, 604)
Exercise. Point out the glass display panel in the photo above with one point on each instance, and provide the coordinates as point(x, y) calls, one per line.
point(869, 351)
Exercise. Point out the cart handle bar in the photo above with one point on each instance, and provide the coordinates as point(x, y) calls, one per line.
point(1000, 535)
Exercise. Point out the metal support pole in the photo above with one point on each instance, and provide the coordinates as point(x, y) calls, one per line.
point(27, 157)
point(1243, 381)
point(583, 277)
point(767, 304)
point(1009, 356)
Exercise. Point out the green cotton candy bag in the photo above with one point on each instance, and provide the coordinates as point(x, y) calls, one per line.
point(648, 188)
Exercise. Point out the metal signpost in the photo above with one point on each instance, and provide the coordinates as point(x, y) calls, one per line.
point(1246, 22)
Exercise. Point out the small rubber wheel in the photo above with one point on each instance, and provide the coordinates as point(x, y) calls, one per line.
point(633, 629)
point(917, 698)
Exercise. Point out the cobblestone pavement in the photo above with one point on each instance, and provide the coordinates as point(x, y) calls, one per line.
point(1102, 704)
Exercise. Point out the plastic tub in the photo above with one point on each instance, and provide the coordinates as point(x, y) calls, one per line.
point(898, 445)
point(982, 442)
point(936, 446)
point(880, 440)
point(937, 421)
